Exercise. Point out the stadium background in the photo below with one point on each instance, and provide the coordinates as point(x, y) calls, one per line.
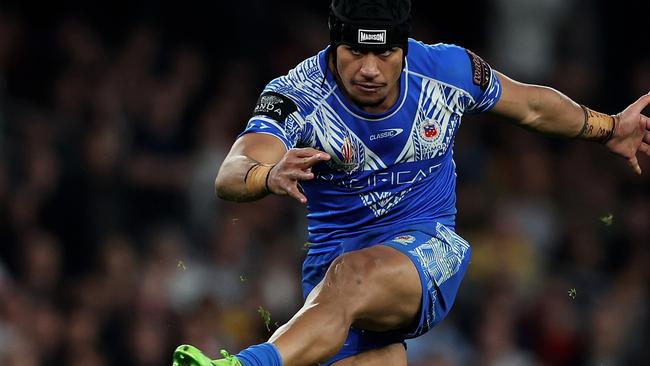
point(114, 117)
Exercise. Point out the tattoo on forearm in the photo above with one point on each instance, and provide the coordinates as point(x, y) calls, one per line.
point(597, 127)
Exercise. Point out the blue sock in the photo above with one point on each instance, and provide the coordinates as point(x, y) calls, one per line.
point(265, 354)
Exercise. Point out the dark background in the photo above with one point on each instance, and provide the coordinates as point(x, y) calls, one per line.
point(114, 118)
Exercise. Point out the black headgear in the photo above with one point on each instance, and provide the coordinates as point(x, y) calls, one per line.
point(370, 24)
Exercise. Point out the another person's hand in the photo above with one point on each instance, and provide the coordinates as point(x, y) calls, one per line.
point(632, 133)
point(294, 166)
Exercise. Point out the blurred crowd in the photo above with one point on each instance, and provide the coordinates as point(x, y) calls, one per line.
point(114, 248)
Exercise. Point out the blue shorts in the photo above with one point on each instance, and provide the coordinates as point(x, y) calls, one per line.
point(441, 258)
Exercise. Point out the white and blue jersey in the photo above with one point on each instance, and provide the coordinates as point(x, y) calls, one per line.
point(391, 180)
point(390, 169)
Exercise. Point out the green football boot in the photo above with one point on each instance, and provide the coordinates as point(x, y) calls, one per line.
point(186, 355)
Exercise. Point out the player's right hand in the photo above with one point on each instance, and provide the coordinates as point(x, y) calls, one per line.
point(294, 167)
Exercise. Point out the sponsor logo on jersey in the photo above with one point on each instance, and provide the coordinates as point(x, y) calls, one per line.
point(347, 151)
point(270, 104)
point(349, 158)
point(275, 106)
point(367, 36)
point(481, 71)
point(387, 133)
point(389, 178)
point(404, 239)
point(430, 130)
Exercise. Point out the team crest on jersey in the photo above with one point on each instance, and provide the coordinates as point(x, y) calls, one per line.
point(430, 131)
point(404, 239)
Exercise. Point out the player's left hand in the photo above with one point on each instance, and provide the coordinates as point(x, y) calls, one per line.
point(632, 133)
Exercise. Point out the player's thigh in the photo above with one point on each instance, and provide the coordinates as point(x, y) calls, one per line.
point(380, 285)
point(394, 355)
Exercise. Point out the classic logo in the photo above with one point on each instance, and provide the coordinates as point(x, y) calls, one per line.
point(367, 36)
point(430, 130)
point(405, 239)
point(387, 133)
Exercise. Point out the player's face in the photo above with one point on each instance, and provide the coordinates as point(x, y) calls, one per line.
point(370, 78)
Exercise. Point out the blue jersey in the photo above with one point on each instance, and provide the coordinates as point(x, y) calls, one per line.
point(388, 170)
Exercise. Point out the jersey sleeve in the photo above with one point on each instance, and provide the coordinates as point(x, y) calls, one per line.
point(465, 70)
point(275, 114)
point(485, 85)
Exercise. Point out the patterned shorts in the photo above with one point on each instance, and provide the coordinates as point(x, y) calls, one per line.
point(441, 257)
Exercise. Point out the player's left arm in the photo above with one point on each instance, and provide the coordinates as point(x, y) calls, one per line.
point(548, 111)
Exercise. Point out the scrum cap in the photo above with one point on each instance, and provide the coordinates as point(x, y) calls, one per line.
point(370, 24)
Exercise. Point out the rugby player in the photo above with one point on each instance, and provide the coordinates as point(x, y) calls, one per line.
point(362, 133)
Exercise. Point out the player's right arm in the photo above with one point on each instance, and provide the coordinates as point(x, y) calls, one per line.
point(259, 164)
